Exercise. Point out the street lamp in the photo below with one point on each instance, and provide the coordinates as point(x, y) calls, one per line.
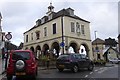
point(8, 36)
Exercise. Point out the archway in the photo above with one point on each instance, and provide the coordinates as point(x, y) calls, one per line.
point(55, 48)
point(74, 46)
point(26, 48)
point(45, 49)
point(84, 49)
point(38, 51)
point(32, 49)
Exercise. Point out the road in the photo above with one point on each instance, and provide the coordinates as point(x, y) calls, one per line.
point(98, 72)
point(101, 73)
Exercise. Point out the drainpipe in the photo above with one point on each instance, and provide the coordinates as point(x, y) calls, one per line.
point(62, 34)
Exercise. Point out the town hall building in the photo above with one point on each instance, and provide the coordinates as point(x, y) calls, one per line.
point(57, 32)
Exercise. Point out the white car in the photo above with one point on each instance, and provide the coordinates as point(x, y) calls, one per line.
point(114, 61)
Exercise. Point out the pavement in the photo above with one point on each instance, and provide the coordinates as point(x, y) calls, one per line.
point(2, 69)
point(109, 65)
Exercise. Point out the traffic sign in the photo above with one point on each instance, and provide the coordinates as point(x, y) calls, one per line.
point(8, 36)
point(62, 44)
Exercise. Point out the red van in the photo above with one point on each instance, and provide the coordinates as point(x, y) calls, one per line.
point(22, 63)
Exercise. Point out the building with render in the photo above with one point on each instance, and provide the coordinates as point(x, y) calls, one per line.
point(1, 36)
point(58, 31)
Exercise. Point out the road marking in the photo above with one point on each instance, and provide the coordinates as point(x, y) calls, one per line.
point(91, 72)
point(96, 70)
point(86, 76)
point(101, 68)
point(101, 71)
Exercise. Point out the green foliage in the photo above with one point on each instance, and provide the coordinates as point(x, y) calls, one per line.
point(100, 61)
point(44, 58)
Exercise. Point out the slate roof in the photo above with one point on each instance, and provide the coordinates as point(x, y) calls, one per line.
point(110, 41)
point(63, 12)
point(98, 41)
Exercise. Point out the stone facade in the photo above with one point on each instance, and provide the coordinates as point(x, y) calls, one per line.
point(99, 51)
point(51, 31)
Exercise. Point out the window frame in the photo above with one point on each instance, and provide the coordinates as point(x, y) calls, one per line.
point(83, 29)
point(37, 35)
point(26, 38)
point(54, 28)
point(72, 26)
point(78, 28)
point(45, 31)
point(31, 36)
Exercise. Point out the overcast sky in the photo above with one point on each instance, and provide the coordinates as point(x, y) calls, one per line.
point(20, 15)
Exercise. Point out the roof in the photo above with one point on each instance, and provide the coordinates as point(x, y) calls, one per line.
point(63, 12)
point(110, 41)
point(98, 41)
point(107, 48)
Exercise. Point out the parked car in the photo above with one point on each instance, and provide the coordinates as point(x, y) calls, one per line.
point(74, 62)
point(114, 61)
point(22, 63)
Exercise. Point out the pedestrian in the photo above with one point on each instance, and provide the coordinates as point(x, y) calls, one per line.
point(48, 62)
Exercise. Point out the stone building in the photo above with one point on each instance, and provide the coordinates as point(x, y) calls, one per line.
point(98, 45)
point(1, 36)
point(57, 31)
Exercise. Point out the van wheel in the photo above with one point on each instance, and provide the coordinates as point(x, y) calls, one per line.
point(90, 67)
point(34, 77)
point(75, 69)
point(60, 70)
point(36, 71)
point(9, 77)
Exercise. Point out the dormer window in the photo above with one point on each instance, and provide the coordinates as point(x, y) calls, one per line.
point(42, 20)
point(71, 11)
point(38, 22)
point(49, 16)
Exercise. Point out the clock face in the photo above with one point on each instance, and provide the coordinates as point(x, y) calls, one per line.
point(8, 36)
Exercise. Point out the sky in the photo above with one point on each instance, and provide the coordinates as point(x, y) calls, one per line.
point(18, 16)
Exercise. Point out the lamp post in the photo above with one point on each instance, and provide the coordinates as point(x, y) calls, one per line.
point(8, 36)
point(62, 43)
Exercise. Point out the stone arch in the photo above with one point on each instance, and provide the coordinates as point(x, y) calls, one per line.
point(86, 48)
point(38, 51)
point(45, 49)
point(26, 48)
point(74, 45)
point(55, 45)
point(32, 49)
